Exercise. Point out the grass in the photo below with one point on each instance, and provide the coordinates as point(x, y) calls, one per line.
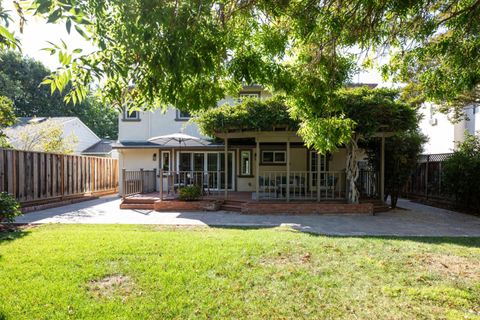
point(150, 272)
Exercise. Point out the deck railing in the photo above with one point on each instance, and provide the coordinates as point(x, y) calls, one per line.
point(138, 181)
point(211, 182)
point(302, 185)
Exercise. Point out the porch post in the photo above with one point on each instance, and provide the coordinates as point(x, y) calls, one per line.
point(382, 170)
point(257, 169)
point(161, 183)
point(288, 171)
point(319, 167)
point(225, 195)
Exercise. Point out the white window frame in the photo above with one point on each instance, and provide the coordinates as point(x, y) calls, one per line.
point(127, 115)
point(248, 171)
point(180, 117)
point(205, 164)
point(162, 164)
point(273, 158)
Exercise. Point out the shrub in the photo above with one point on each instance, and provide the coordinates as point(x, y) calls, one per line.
point(190, 193)
point(9, 208)
point(461, 173)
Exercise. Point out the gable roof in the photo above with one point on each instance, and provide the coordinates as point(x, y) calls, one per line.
point(104, 146)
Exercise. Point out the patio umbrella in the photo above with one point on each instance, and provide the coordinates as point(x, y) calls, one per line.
point(177, 139)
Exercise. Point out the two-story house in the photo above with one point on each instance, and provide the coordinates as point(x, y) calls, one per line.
point(262, 165)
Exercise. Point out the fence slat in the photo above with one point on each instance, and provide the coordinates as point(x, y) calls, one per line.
point(36, 176)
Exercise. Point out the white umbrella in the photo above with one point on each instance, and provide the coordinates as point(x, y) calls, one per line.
point(171, 140)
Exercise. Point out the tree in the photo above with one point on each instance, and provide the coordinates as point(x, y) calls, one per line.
point(189, 53)
point(7, 118)
point(20, 79)
point(46, 136)
point(461, 173)
point(401, 158)
point(351, 116)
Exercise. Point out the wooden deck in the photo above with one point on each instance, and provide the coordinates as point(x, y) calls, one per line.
point(243, 202)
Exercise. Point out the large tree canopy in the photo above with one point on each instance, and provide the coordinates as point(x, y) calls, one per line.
point(20, 79)
point(189, 53)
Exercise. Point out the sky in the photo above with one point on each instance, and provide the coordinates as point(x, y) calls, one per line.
point(37, 32)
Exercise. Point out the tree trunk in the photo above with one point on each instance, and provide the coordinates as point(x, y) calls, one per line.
point(352, 170)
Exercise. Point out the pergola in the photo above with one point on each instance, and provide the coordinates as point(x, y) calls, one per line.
point(288, 137)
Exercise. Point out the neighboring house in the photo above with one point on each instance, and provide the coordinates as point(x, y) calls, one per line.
point(257, 161)
point(103, 148)
point(85, 139)
point(444, 135)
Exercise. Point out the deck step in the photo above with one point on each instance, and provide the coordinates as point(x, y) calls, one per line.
point(139, 200)
point(228, 207)
point(137, 206)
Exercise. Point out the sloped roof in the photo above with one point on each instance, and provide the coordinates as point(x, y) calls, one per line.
point(104, 146)
point(22, 122)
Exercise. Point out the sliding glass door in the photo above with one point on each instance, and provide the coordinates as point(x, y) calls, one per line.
point(209, 162)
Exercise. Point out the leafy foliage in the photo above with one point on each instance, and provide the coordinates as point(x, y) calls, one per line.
point(46, 136)
point(359, 112)
point(188, 54)
point(190, 193)
point(7, 118)
point(401, 156)
point(462, 173)
point(251, 114)
point(9, 208)
point(20, 79)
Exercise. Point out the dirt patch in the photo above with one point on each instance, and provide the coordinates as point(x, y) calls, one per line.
point(112, 286)
point(287, 259)
point(451, 265)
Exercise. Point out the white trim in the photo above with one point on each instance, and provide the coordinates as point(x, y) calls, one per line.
point(274, 152)
point(205, 162)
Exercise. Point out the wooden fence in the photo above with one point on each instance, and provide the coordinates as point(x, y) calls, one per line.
point(35, 177)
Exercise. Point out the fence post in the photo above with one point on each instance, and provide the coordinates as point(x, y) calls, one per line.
point(426, 177)
point(124, 184)
point(142, 180)
point(62, 176)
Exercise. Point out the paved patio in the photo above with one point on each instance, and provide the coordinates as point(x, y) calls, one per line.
point(417, 220)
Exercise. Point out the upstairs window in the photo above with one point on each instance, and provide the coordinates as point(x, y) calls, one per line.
point(131, 115)
point(183, 115)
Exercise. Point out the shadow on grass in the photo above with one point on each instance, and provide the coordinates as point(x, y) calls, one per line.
point(465, 241)
point(12, 232)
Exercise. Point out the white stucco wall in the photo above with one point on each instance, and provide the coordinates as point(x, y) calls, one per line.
point(161, 122)
point(442, 133)
point(439, 130)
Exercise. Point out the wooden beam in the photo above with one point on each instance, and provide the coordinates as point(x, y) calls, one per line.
point(382, 170)
point(288, 171)
point(257, 170)
point(225, 192)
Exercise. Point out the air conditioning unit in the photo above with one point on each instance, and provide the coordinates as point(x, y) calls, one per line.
point(433, 121)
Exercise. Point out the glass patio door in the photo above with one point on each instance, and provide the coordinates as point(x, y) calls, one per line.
point(313, 168)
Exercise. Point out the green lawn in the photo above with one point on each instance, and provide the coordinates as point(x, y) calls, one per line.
point(149, 272)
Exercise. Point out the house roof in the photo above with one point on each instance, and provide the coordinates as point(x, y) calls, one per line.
point(104, 146)
point(13, 131)
point(150, 144)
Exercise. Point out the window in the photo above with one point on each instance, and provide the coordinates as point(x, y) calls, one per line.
point(246, 163)
point(165, 164)
point(183, 115)
point(131, 115)
point(274, 156)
